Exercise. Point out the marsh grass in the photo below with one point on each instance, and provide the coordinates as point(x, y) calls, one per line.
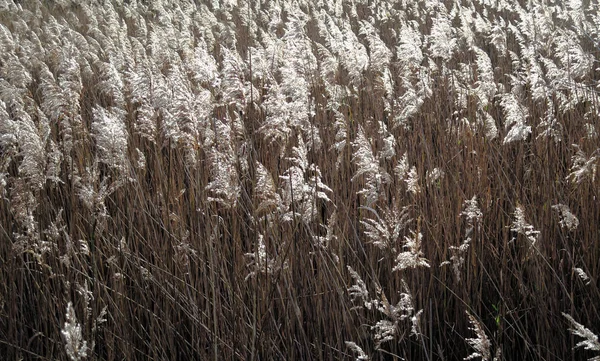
point(184, 203)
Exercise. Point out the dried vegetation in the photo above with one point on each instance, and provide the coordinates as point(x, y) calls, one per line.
point(299, 180)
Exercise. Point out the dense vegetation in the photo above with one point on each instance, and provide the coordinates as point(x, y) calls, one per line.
point(299, 180)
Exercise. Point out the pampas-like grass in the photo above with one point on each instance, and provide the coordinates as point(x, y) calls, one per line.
point(288, 180)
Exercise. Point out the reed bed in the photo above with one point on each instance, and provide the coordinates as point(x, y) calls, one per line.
point(299, 180)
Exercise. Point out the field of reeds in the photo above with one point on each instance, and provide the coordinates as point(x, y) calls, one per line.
point(299, 180)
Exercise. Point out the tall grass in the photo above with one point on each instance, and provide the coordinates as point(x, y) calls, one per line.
point(299, 180)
